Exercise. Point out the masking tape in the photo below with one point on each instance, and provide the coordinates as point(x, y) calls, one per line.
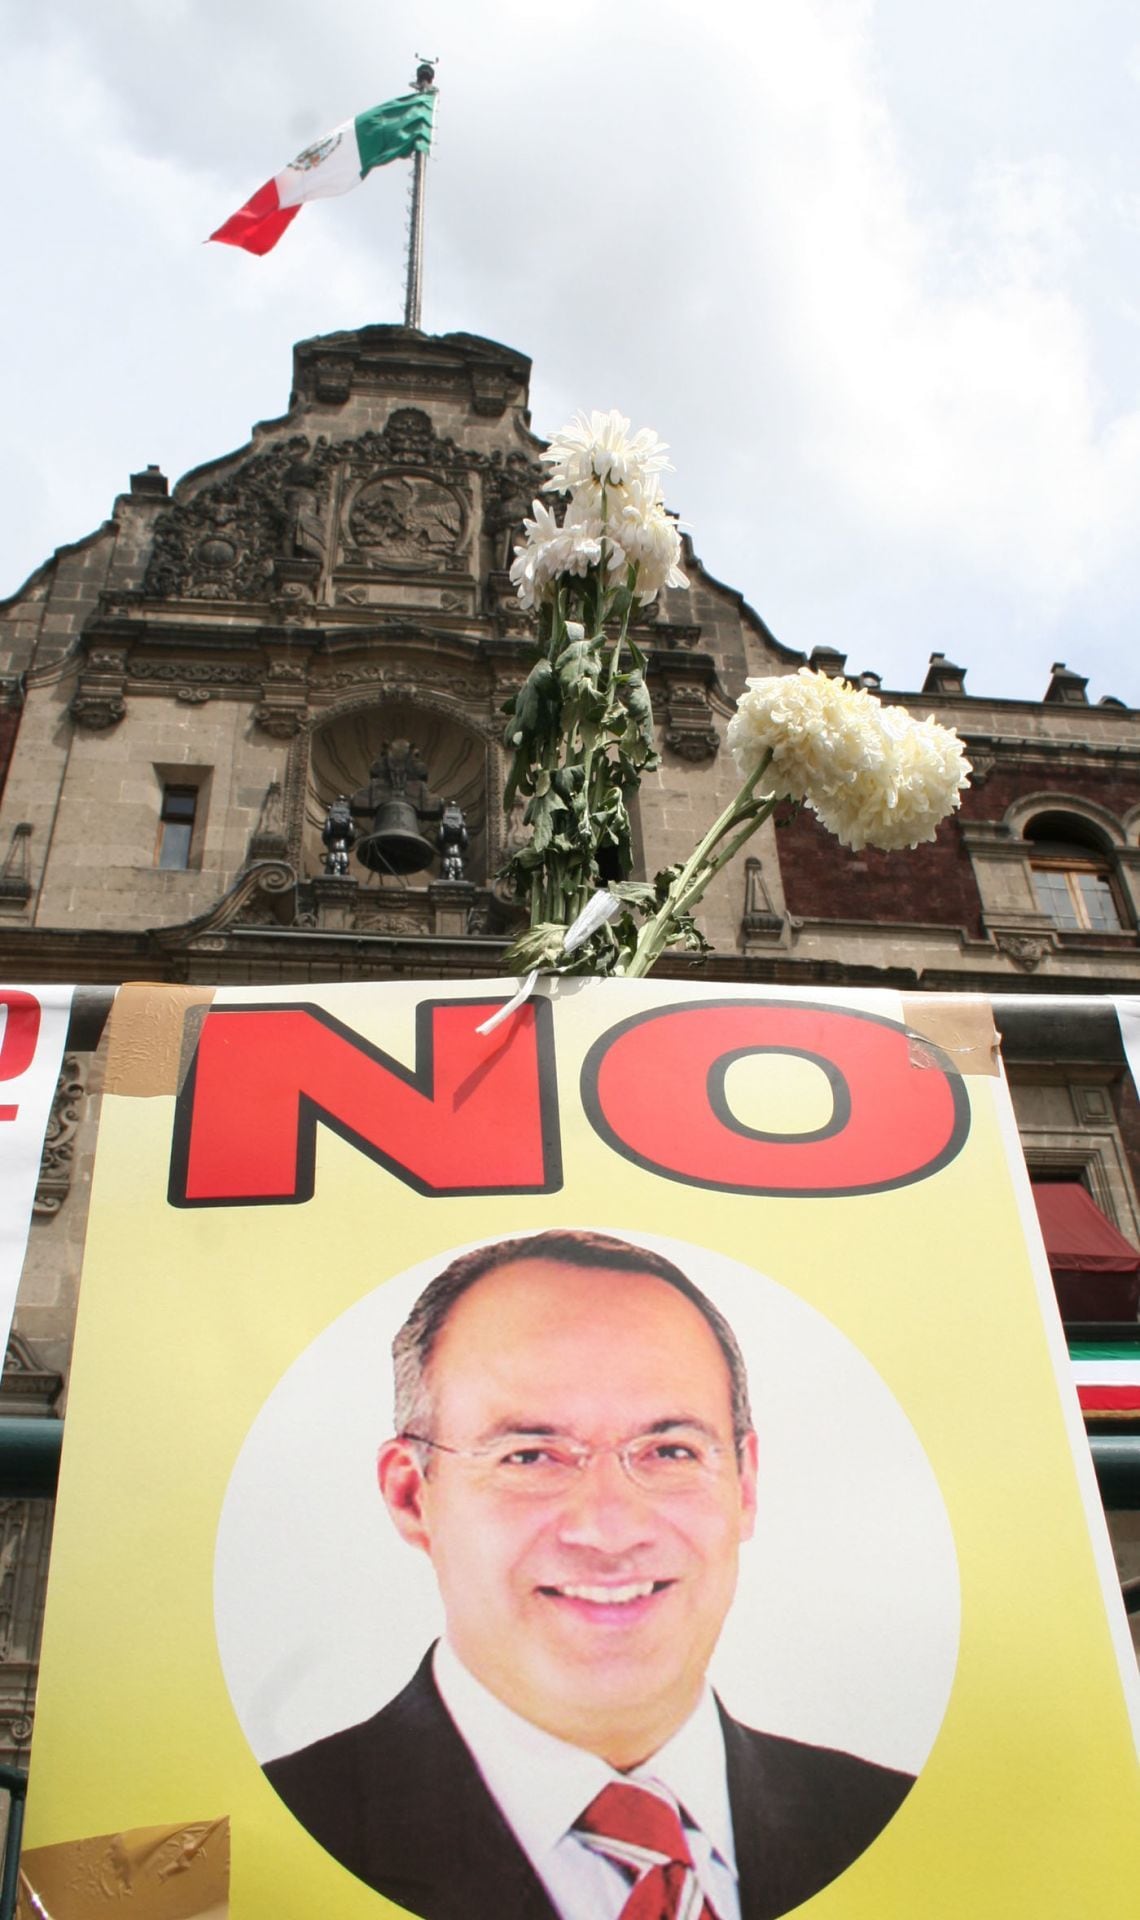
point(152, 1873)
point(145, 1050)
point(960, 1024)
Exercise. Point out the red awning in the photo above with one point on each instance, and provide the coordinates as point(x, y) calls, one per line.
point(1077, 1236)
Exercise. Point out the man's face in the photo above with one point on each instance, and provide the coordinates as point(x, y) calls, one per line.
point(592, 1609)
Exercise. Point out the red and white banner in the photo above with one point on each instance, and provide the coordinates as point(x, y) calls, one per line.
point(34, 1031)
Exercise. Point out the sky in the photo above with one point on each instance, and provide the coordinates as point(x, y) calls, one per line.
point(869, 266)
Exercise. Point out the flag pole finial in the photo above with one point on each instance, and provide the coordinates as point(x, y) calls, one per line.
point(424, 83)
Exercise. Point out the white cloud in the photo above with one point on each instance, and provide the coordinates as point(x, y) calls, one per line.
point(899, 386)
point(945, 391)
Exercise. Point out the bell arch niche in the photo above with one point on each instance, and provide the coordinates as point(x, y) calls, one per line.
point(459, 761)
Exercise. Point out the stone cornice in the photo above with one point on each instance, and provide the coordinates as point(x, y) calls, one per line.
point(304, 955)
point(1015, 751)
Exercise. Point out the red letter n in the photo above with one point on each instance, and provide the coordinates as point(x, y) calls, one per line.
point(474, 1115)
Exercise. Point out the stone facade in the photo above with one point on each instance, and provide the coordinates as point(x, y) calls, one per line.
point(252, 641)
point(340, 582)
point(255, 638)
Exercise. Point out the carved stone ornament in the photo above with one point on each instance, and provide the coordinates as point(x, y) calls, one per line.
point(403, 495)
point(28, 1385)
point(408, 503)
point(501, 603)
point(510, 486)
point(57, 1162)
point(403, 681)
point(669, 633)
point(491, 390)
point(15, 873)
point(407, 914)
point(689, 729)
point(296, 578)
point(333, 379)
point(760, 921)
point(1024, 949)
point(281, 718)
point(263, 895)
point(284, 705)
point(97, 711)
point(24, 1536)
point(408, 521)
point(224, 543)
point(409, 436)
point(212, 673)
point(269, 841)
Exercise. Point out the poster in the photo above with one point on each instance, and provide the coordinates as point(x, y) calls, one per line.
point(734, 1457)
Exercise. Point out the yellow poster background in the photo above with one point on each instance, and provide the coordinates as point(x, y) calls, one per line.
point(1029, 1802)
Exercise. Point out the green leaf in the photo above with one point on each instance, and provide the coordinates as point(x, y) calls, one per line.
point(579, 678)
point(622, 601)
point(568, 781)
point(536, 704)
point(638, 892)
point(640, 709)
point(533, 727)
point(538, 947)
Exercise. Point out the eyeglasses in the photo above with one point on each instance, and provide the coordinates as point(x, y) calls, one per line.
point(683, 1460)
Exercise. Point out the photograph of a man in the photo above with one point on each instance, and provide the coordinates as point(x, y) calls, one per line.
point(575, 1455)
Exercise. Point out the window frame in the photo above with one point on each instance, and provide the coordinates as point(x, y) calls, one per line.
point(181, 781)
point(1070, 869)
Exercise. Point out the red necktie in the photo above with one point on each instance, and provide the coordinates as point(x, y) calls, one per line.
point(639, 1829)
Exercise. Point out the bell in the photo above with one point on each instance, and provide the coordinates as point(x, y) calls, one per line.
point(395, 844)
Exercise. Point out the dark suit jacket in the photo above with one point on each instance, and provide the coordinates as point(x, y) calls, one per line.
point(399, 1801)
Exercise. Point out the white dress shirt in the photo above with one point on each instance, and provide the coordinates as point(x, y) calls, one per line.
point(543, 1785)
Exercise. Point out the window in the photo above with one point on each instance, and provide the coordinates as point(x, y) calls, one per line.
point(1079, 899)
point(1072, 875)
point(176, 828)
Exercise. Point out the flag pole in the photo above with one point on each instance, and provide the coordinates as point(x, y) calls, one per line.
point(423, 83)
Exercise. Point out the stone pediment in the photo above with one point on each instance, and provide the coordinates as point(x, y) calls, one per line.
point(323, 519)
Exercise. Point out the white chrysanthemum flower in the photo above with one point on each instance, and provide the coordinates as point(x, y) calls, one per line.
point(904, 803)
point(599, 447)
point(638, 523)
point(550, 550)
point(821, 732)
point(874, 776)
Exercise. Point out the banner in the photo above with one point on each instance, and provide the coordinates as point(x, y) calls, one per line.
point(631, 1448)
point(32, 1039)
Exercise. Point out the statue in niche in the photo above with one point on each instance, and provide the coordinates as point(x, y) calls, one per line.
point(339, 836)
point(304, 522)
point(452, 841)
point(510, 489)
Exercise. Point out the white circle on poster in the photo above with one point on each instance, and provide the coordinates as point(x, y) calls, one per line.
point(844, 1629)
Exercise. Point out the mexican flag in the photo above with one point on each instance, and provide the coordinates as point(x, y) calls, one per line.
point(332, 165)
point(1108, 1376)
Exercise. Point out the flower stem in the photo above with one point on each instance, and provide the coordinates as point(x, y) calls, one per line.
point(701, 866)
